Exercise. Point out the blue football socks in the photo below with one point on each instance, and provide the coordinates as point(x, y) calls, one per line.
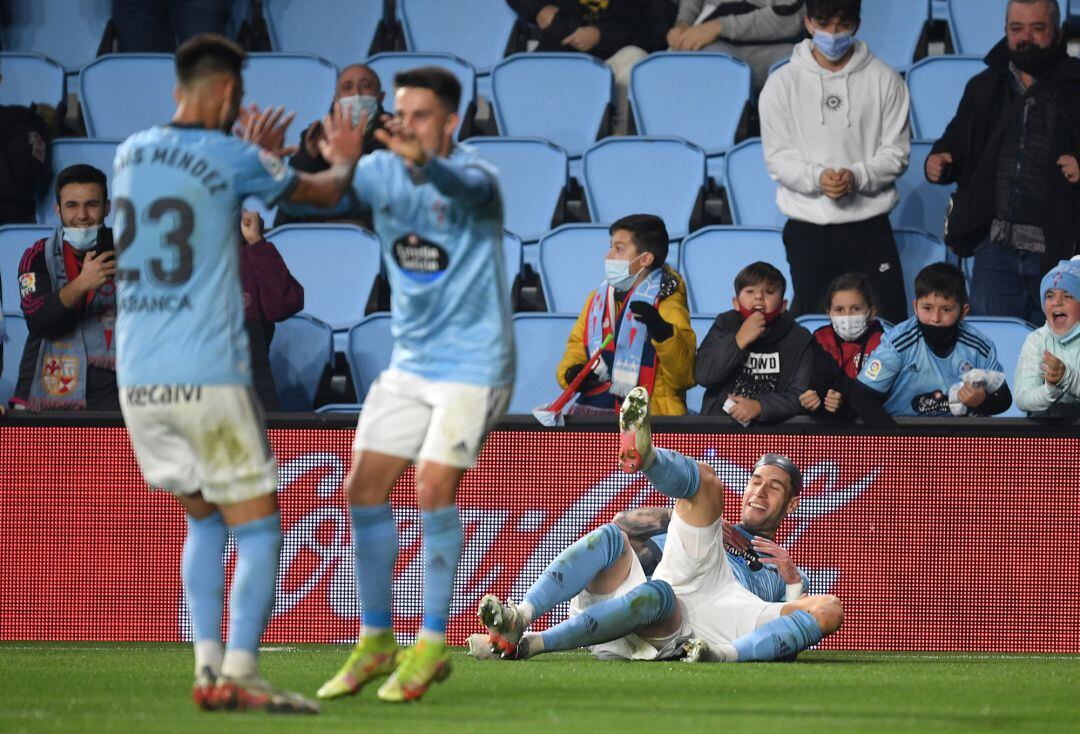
point(204, 575)
point(258, 545)
point(783, 637)
point(375, 551)
point(442, 548)
point(674, 474)
point(573, 569)
point(649, 603)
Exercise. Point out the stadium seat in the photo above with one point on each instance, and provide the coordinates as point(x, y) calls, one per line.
point(561, 97)
point(939, 9)
point(540, 339)
point(15, 239)
point(893, 29)
point(370, 346)
point(341, 31)
point(922, 204)
point(917, 250)
point(572, 264)
point(532, 180)
point(67, 152)
point(713, 256)
point(340, 408)
point(388, 64)
point(124, 93)
point(751, 193)
point(337, 265)
point(662, 176)
point(14, 343)
point(478, 31)
point(936, 86)
point(700, 323)
point(301, 351)
point(977, 25)
point(708, 116)
point(30, 79)
point(301, 83)
point(1008, 335)
point(69, 32)
point(512, 257)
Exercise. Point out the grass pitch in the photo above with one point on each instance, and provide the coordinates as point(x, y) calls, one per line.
point(79, 687)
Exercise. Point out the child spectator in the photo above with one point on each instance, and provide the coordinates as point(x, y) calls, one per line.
point(1048, 375)
point(933, 364)
point(755, 361)
point(841, 348)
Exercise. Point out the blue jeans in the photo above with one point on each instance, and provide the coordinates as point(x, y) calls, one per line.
point(1005, 282)
point(147, 26)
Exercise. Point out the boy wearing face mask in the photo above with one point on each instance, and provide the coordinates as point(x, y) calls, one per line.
point(835, 133)
point(69, 301)
point(755, 361)
point(640, 297)
point(933, 364)
point(1048, 374)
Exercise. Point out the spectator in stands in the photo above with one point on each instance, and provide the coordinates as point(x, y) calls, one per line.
point(1048, 373)
point(620, 32)
point(760, 33)
point(69, 301)
point(271, 294)
point(834, 126)
point(639, 292)
point(159, 26)
point(841, 348)
point(755, 361)
point(933, 364)
point(24, 169)
point(1012, 150)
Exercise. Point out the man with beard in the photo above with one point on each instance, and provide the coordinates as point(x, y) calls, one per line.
point(1012, 150)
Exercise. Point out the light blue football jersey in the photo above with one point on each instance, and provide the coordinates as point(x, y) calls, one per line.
point(450, 302)
point(176, 202)
point(917, 381)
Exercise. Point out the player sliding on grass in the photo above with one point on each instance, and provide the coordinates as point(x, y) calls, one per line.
point(438, 213)
point(693, 595)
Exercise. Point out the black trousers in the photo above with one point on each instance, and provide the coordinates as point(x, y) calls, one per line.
point(818, 253)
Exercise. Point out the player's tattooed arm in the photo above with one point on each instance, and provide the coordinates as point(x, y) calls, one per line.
point(643, 523)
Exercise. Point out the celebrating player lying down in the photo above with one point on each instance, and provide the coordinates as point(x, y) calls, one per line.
point(694, 605)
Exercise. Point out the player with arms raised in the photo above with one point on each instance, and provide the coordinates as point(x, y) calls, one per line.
point(182, 352)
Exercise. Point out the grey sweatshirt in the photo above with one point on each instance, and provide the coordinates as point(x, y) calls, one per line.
point(750, 21)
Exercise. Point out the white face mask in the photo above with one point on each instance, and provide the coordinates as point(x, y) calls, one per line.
point(81, 238)
point(360, 103)
point(849, 328)
point(617, 273)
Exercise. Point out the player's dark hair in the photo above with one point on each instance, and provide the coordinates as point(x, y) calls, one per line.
point(760, 272)
point(849, 11)
point(942, 279)
point(81, 173)
point(648, 233)
point(784, 462)
point(440, 81)
point(849, 282)
point(205, 54)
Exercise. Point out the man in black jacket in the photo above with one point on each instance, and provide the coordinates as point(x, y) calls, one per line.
point(1012, 149)
point(24, 169)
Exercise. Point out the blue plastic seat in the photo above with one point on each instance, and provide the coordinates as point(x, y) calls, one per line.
point(388, 64)
point(477, 31)
point(370, 347)
point(337, 265)
point(69, 32)
point(14, 344)
point(1008, 335)
point(340, 31)
point(708, 117)
point(922, 204)
point(893, 29)
point(713, 256)
point(301, 83)
point(15, 240)
point(936, 85)
point(30, 79)
point(976, 25)
point(541, 340)
point(301, 351)
point(68, 152)
point(751, 193)
point(631, 175)
point(700, 323)
point(532, 180)
point(572, 264)
point(512, 257)
point(124, 93)
point(917, 250)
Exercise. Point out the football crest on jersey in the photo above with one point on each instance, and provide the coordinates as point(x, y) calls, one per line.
point(420, 259)
point(273, 165)
point(873, 369)
point(27, 284)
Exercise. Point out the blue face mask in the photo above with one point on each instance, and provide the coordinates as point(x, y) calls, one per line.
point(833, 47)
point(81, 238)
point(618, 275)
point(359, 104)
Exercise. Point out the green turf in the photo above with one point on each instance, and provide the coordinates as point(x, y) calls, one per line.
point(76, 687)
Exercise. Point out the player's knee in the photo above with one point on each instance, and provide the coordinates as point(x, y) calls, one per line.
point(710, 484)
point(828, 610)
point(433, 494)
point(611, 540)
point(655, 600)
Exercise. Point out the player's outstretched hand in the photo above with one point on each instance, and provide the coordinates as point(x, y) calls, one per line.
point(403, 141)
point(266, 128)
point(342, 142)
point(773, 554)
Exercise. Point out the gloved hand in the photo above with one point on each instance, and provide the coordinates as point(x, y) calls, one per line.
point(588, 385)
point(646, 313)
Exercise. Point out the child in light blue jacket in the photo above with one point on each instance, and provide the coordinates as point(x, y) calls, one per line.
point(1048, 374)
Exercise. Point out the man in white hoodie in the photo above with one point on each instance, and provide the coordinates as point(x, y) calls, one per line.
point(834, 126)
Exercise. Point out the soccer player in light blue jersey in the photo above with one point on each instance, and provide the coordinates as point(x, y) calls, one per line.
point(182, 353)
point(438, 214)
